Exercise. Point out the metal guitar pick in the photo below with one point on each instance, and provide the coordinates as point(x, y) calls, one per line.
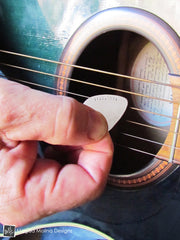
point(111, 106)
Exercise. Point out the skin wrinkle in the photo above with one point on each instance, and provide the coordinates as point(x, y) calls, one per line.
point(99, 168)
point(41, 118)
point(55, 179)
point(43, 193)
point(89, 173)
point(62, 185)
point(15, 155)
point(28, 175)
point(71, 112)
point(38, 201)
point(73, 123)
point(58, 116)
point(93, 175)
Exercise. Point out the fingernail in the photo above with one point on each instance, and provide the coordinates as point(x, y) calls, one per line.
point(97, 125)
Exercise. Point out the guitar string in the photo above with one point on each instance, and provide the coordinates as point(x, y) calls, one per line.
point(126, 134)
point(83, 96)
point(154, 113)
point(97, 85)
point(44, 86)
point(162, 158)
point(89, 69)
point(89, 83)
point(70, 79)
point(146, 140)
point(108, 87)
point(115, 89)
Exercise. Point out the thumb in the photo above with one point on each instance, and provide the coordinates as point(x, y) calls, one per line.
point(34, 115)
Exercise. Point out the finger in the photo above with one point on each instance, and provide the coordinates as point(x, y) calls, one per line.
point(16, 162)
point(33, 115)
point(51, 188)
point(15, 166)
point(72, 185)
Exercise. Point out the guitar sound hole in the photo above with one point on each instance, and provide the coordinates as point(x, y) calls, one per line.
point(116, 52)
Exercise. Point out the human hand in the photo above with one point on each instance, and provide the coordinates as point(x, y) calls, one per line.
point(32, 187)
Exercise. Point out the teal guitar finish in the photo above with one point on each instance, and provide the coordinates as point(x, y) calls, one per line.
point(25, 30)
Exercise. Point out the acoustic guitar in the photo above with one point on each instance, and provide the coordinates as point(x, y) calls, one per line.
point(94, 47)
point(128, 48)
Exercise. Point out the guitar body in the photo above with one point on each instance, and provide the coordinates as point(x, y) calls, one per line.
point(135, 38)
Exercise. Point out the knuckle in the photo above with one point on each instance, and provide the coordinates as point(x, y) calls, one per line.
point(69, 114)
point(64, 121)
